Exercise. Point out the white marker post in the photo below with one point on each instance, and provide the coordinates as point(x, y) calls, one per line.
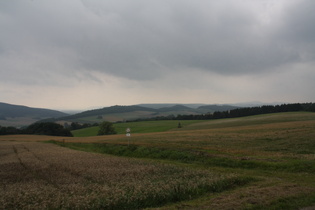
point(128, 134)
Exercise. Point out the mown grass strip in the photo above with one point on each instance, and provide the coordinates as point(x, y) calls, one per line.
point(138, 127)
point(191, 157)
point(288, 203)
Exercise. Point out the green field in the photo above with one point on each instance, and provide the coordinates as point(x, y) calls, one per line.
point(260, 162)
point(138, 127)
point(113, 117)
point(278, 149)
point(168, 125)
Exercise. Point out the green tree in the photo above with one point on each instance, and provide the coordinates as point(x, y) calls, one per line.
point(106, 128)
point(47, 128)
point(9, 130)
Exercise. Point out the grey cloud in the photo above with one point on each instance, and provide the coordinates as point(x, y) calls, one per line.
point(298, 28)
point(142, 40)
point(299, 21)
point(187, 35)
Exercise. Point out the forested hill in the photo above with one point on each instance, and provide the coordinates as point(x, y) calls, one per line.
point(13, 111)
point(216, 108)
point(108, 110)
point(135, 112)
point(242, 112)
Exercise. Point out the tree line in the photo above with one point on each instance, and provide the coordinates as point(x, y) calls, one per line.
point(77, 126)
point(40, 128)
point(240, 112)
point(55, 129)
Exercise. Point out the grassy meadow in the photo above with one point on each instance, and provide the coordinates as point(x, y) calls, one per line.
point(257, 162)
point(137, 127)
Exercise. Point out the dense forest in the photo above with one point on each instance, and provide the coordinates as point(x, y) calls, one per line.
point(241, 112)
point(42, 128)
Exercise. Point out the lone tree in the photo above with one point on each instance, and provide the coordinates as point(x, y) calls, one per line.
point(106, 128)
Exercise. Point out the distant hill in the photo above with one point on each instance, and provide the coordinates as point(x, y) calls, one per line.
point(165, 105)
point(108, 110)
point(176, 108)
point(214, 108)
point(123, 113)
point(17, 115)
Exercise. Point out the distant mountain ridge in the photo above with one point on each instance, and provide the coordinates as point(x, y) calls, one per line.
point(165, 105)
point(133, 112)
point(10, 110)
point(176, 108)
point(108, 110)
point(215, 108)
point(18, 115)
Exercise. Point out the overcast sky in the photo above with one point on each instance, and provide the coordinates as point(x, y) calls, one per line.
point(80, 54)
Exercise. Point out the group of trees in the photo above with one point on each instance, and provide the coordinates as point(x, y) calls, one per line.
point(54, 129)
point(47, 128)
point(106, 128)
point(40, 128)
point(9, 130)
point(76, 125)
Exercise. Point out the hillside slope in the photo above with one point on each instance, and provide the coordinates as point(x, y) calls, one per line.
point(17, 115)
point(123, 113)
point(107, 110)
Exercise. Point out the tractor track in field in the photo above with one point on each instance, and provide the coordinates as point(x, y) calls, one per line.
point(40, 168)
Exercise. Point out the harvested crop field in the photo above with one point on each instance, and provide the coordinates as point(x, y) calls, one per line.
point(45, 176)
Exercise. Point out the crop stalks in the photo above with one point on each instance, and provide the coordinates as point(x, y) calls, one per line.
point(46, 176)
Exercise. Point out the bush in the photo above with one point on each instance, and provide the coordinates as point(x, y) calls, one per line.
point(106, 128)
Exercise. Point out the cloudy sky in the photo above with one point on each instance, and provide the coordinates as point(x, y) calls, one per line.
point(79, 54)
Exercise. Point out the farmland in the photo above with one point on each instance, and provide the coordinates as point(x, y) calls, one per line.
point(137, 127)
point(257, 162)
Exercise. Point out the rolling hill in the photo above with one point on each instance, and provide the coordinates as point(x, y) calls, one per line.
point(17, 115)
point(123, 113)
point(271, 155)
point(214, 108)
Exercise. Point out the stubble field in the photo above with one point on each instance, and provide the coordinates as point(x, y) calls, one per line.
point(261, 162)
